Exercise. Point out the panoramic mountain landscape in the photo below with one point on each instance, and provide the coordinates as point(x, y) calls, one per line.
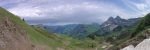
point(74, 25)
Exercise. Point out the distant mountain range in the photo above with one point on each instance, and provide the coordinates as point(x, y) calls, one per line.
point(74, 30)
point(84, 30)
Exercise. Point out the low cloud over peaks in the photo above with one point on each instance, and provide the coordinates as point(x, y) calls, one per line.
point(74, 11)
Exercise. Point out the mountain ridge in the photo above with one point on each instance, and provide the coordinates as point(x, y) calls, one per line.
point(74, 30)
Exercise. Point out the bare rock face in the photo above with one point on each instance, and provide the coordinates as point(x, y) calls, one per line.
point(130, 47)
point(145, 45)
point(13, 37)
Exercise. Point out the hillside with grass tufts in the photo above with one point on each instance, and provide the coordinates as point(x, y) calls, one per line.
point(16, 34)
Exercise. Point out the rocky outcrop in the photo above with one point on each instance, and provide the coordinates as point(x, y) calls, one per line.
point(144, 45)
point(130, 47)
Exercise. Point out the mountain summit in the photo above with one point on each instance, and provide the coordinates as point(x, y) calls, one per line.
point(116, 24)
point(112, 23)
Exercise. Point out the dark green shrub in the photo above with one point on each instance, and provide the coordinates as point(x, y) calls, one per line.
point(145, 22)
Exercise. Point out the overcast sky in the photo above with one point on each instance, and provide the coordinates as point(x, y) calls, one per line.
point(58, 12)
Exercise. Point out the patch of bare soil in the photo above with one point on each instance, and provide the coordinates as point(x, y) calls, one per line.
point(13, 37)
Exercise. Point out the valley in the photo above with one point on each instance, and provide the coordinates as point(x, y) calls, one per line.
point(74, 25)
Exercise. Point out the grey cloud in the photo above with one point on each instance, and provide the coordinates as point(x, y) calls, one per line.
point(78, 17)
point(65, 11)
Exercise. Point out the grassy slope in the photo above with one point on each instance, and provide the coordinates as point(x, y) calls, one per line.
point(39, 36)
point(91, 28)
point(35, 37)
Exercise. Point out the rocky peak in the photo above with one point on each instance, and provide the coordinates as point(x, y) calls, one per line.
point(113, 23)
point(110, 18)
point(119, 21)
point(118, 17)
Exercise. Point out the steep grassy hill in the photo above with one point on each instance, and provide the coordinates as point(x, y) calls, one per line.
point(12, 35)
point(37, 38)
